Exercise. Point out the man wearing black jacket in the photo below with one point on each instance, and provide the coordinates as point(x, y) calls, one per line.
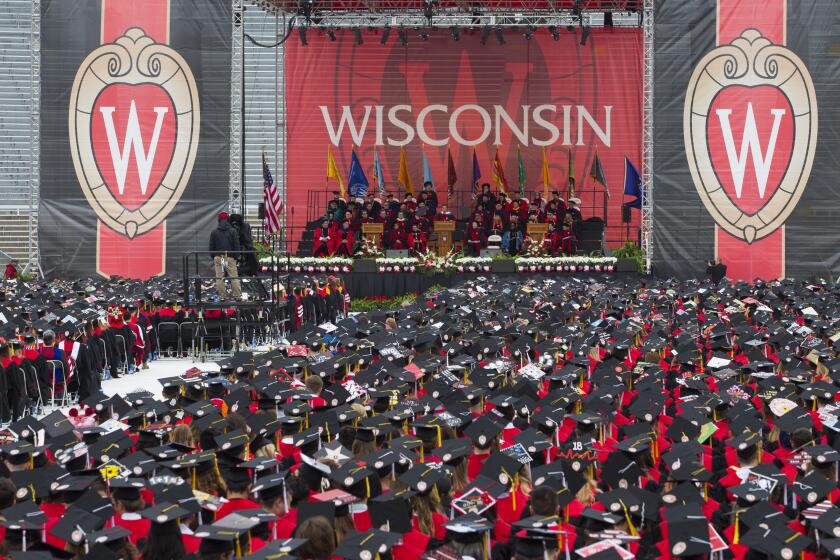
point(224, 245)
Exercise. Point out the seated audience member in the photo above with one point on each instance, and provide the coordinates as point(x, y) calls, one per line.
point(512, 240)
point(395, 238)
point(321, 248)
point(342, 241)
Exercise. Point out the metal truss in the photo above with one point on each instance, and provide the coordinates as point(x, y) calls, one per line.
point(34, 263)
point(463, 6)
point(336, 20)
point(237, 67)
point(647, 136)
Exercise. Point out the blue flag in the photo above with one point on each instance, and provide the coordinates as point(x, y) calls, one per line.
point(377, 173)
point(476, 175)
point(632, 184)
point(427, 170)
point(357, 182)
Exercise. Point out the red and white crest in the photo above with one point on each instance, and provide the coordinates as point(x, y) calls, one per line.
point(750, 127)
point(134, 129)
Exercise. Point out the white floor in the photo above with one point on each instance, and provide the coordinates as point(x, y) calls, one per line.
point(146, 379)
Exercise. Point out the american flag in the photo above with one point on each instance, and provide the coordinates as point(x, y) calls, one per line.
point(271, 198)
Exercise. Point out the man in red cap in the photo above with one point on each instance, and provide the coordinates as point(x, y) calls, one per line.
point(224, 245)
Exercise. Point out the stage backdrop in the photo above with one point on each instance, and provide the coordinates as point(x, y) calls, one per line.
point(439, 93)
point(135, 119)
point(746, 137)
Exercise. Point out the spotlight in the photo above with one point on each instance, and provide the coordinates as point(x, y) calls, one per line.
point(401, 34)
point(584, 36)
point(358, 33)
point(385, 34)
point(485, 34)
point(555, 34)
point(500, 36)
point(456, 33)
point(302, 33)
point(424, 35)
point(529, 33)
point(331, 34)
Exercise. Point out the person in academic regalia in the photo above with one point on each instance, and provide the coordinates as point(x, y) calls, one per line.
point(512, 239)
point(574, 211)
point(321, 248)
point(563, 240)
point(475, 241)
point(417, 240)
point(395, 238)
point(341, 241)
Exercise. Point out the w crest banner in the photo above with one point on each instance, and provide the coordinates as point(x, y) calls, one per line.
point(745, 138)
point(134, 133)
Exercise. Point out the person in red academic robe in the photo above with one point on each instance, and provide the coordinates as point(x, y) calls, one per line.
point(341, 241)
point(564, 241)
point(476, 239)
point(322, 240)
point(395, 238)
point(417, 240)
point(444, 215)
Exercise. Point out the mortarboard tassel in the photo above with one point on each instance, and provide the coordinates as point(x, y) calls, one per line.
point(630, 526)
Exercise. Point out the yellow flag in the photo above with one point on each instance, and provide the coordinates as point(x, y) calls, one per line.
point(403, 177)
point(332, 172)
point(545, 175)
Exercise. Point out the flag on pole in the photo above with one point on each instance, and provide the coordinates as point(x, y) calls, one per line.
point(332, 172)
point(499, 174)
point(271, 200)
point(521, 165)
point(632, 184)
point(378, 176)
point(597, 172)
point(357, 181)
point(546, 177)
point(571, 175)
point(403, 177)
point(427, 170)
point(451, 176)
point(476, 175)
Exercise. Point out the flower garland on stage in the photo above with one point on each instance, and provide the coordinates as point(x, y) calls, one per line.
point(565, 264)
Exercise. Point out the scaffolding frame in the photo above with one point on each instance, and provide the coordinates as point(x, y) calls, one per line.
point(647, 137)
point(33, 264)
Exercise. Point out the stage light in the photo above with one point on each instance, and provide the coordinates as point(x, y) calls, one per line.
point(386, 32)
point(401, 34)
point(485, 34)
point(500, 36)
point(555, 34)
point(584, 36)
point(302, 33)
point(331, 34)
point(424, 35)
point(358, 33)
point(529, 33)
point(456, 33)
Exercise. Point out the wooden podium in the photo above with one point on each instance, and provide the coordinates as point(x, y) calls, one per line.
point(373, 231)
point(444, 231)
point(537, 232)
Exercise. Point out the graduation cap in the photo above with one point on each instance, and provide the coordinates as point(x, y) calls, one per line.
point(422, 477)
point(392, 511)
point(368, 544)
point(482, 431)
point(688, 531)
point(813, 487)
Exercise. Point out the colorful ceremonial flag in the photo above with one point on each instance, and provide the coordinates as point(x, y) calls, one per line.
point(378, 176)
point(597, 172)
point(357, 182)
point(403, 176)
point(451, 176)
point(476, 175)
point(499, 174)
point(427, 170)
point(521, 167)
point(271, 200)
point(632, 184)
point(571, 175)
point(332, 172)
point(546, 177)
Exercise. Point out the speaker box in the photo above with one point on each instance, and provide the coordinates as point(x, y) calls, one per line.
point(608, 22)
point(261, 211)
point(625, 214)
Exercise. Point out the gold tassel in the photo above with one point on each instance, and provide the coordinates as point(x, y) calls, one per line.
point(630, 526)
point(439, 438)
point(736, 536)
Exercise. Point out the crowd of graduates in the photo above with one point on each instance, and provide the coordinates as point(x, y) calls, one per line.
point(496, 220)
point(553, 419)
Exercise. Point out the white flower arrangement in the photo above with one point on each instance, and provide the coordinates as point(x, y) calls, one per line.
point(310, 264)
point(473, 264)
point(396, 264)
point(566, 264)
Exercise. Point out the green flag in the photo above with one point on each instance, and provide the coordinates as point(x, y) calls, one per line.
point(521, 170)
point(571, 174)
